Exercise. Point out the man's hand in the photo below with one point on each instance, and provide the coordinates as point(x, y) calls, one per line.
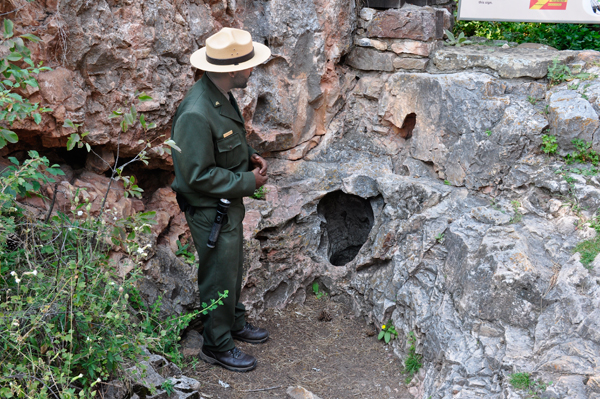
point(260, 163)
point(260, 178)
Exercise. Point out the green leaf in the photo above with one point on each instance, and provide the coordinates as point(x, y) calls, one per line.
point(69, 123)
point(173, 145)
point(37, 118)
point(14, 160)
point(10, 136)
point(8, 28)
point(381, 334)
point(72, 141)
point(144, 97)
point(14, 57)
point(387, 337)
point(30, 37)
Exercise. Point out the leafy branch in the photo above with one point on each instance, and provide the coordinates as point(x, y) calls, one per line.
point(13, 106)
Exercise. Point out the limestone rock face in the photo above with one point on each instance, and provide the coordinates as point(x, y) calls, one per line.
point(418, 24)
point(508, 63)
point(103, 52)
point(470, 246)
point(572, 117)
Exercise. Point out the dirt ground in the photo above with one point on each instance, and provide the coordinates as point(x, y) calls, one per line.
point(334, 359)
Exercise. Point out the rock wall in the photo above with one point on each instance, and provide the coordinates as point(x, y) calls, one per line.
point(438, 148)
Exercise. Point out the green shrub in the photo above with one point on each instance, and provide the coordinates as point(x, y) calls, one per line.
point(559, 36)
point(69, 321)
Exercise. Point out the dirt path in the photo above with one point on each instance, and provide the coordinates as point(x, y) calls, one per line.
point(334, 359)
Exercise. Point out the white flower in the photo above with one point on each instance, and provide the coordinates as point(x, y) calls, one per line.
point(140, 250)
point(79, 213)
point(34, 272)
point(144, 254)
point(114, 218)
point(112, 283)
point(120, 289)
point(16, 323)
point(70, 229)
point(88, 339)
point(17, 280)
point(13, 273)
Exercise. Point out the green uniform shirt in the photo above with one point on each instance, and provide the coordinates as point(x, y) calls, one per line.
point(214, 161)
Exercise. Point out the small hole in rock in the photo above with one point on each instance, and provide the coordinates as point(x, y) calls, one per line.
point(408, 125)
point(349, 222)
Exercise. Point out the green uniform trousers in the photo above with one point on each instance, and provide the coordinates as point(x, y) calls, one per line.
point(219, 269)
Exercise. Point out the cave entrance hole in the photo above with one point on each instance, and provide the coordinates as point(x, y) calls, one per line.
point(349, 220)
point(408, 126)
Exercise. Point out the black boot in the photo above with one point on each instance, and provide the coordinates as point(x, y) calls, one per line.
point(251, 334)
point(234, 359)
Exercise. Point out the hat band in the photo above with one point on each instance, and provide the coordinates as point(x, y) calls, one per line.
point(230, 61)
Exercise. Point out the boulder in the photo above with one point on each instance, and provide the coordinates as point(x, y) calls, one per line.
point(371, 60)
point(572, 117)
point(508, 63)
point(416, 23)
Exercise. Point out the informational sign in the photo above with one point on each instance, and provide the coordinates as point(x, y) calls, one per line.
point(572, 11)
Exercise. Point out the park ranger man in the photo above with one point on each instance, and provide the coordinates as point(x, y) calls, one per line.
point(216, 163)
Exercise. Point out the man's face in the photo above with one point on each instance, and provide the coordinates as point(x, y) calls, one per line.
point(240, 78)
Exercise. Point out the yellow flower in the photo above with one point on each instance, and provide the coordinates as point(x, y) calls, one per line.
point(383, 327)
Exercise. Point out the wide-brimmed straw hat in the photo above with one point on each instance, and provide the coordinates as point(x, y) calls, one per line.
point(230, 50)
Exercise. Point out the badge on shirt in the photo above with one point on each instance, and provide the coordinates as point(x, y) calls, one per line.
point(229, 133)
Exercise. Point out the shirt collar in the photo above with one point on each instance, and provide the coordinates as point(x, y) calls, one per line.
point(217, 86)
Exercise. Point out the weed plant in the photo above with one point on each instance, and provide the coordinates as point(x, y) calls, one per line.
point(457, 41)
point(189, 257)
point(388, 332)
point(413, 362)
point(583, 153)
point(317, 291)
point(524, 382)
point(558, 73)
point(69, 322)
point(549, 144)
point(260, 193)
point(517, 215)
